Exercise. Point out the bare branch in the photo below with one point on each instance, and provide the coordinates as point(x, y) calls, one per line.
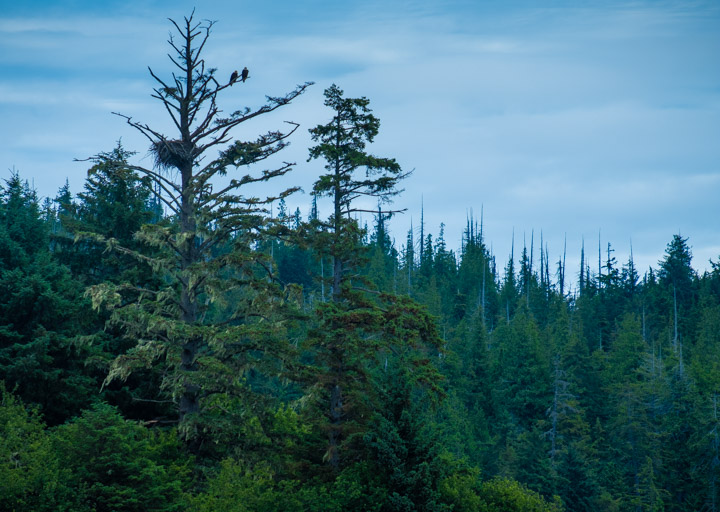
point(142, 128)
point(225, 126)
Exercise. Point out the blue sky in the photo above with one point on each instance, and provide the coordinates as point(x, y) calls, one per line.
point(570, 118)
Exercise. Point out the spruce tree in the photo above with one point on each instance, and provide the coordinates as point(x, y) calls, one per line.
point(358, 324)
point(40, 311)
point(407, 457)
point(216, 317)
point(115, 203)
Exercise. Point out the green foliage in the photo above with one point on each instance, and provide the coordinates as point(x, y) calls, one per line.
point(353, 341)
point(675, 268)
point(522, 368)
point(503, 495)
point(577, 483)
point(40, 312)
point(357, 326)
point(406, 455)
point(31, 477)
point(461, 489)
point(342, 144)
point(238, 487)
point(114, 205)
point(116, 464)
point(214, 313)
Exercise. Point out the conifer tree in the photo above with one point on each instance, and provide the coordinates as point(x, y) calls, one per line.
point(357, 324)
point(40, 311)
point(117, 464)
point(407, 456)
point(509, 291)
point(408, 263)
point(206, 255)
point(677, 276)
point(115, 203)
point(31, 477)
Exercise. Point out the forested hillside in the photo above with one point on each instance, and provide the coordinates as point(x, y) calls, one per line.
point(170, 342)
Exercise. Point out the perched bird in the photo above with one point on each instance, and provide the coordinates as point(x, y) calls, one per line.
point(233, 77)
point(244, 74)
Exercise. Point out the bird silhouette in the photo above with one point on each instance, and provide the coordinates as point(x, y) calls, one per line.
point(233, 77)
point(244, 74)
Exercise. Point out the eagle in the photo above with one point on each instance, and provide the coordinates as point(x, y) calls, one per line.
point(233, 77)
point(244, 74)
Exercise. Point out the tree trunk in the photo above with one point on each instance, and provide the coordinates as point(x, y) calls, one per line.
point(675, 319)
point(189, 400)
point(335, 426)
point(336, 402)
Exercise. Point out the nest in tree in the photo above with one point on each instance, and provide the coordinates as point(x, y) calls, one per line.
point(171, 153)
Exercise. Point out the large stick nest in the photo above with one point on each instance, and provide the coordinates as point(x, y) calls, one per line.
point(171, 153)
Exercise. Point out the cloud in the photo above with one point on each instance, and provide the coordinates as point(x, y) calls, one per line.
point(568, 120)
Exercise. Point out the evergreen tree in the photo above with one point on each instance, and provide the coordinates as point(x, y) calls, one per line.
point(403, 450)
point(505, 495)
point(31, 477)
point(383, 256)
point(354, 327)
point(408, 267)
point(522, 370)
point(206, 255)
point(631, 418)
point(40, 312)
point(476, 282)
point(115, 203)
point(677, 276)
point(120, 465)
point(509, 291)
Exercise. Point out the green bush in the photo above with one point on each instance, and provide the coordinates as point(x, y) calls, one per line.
point(119, 465)
point(505, 495)
point(30, 476)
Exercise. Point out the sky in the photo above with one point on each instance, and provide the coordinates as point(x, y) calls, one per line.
point(571, 121)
